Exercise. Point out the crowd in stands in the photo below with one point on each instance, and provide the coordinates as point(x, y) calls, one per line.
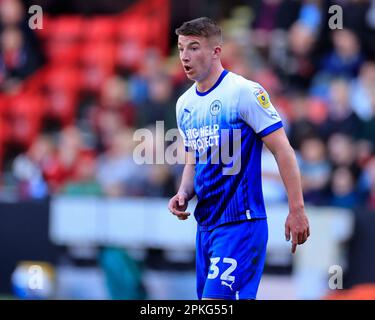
point(98, 86)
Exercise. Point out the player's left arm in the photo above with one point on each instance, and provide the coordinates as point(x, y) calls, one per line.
point(297, 223)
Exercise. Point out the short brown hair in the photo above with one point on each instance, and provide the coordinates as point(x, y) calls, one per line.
point(202, 27)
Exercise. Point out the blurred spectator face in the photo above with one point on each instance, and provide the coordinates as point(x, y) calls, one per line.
point(339, 99)
point(71, 138)
point(41, 149)
point(11, 39)
point(121, 143)
point(341, 150)
point(342, 181)
point(367, 74)
point(313, 150)
point(11, 12)
point(345, 42)
point(317, 110)
point(108, 124)
point(85, 169)
point(151, 63)
point(301, 39)
point(114, 92)
point(160, 89)
point(339, 92)
point(129, 53)
point(299, 107)
point(70, 145)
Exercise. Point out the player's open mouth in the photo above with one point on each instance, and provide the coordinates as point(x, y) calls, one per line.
point(187, 68)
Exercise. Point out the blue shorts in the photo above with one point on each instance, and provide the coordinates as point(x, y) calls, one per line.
point(230, 260)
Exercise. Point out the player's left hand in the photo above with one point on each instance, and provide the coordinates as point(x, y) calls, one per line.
point(178, 205)
point(297, 225)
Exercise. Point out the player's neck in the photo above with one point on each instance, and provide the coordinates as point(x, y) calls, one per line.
point(207, 83)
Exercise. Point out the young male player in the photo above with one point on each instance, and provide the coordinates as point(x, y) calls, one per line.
point(223, 110)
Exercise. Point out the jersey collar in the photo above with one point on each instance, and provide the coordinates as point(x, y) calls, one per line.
point(223, 74)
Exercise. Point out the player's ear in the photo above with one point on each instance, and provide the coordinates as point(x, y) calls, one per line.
point(217, 51)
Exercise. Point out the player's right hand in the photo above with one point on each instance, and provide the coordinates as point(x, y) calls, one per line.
point(178, 204)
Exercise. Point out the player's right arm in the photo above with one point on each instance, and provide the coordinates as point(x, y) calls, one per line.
point(179, 203)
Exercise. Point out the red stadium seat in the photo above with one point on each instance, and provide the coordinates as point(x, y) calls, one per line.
point(61, 105)
point(3, 104)
point(66, 28)
point(98, 63)
point(63, 53)
point(129, 54)
point(33, 83)
point(26, 111)
point(4, 130)
point(62, 78)
point(98, 54)
point(62, 86)
point(134, 28)
point(100, 29)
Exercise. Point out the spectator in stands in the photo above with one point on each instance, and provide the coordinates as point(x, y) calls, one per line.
point(117, 173)
point(160, 105)
point(151, 64)
point(115, 96)
point(297, 64)
point(17, 60)
point(341, 118)
point(346, 57)
point(112, 112)
point(29, 169)
point(300, 125)
point(361, 91)
point(315, 170)
point(340, 150)
point(270, 15)
point(343, 189)
point(341, 153)
point(83, 182)
point(20, 53)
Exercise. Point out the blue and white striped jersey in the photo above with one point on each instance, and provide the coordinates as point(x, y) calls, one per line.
point(224, 127)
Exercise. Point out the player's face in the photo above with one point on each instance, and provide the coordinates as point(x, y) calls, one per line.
point(196, 55)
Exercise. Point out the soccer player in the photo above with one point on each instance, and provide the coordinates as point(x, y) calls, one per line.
point(223, 110)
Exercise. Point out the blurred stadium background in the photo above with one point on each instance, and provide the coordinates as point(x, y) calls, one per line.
point(77, 211)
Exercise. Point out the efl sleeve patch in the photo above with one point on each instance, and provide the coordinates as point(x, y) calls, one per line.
point(263, 98)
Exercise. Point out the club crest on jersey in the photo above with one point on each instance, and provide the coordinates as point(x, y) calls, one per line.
point(263, 99)
point(215, 107)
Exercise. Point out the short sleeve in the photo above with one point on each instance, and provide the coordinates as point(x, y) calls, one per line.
point(256, 109)
point(179, 115)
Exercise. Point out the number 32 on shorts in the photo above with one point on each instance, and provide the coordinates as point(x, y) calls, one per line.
point(226, 275)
